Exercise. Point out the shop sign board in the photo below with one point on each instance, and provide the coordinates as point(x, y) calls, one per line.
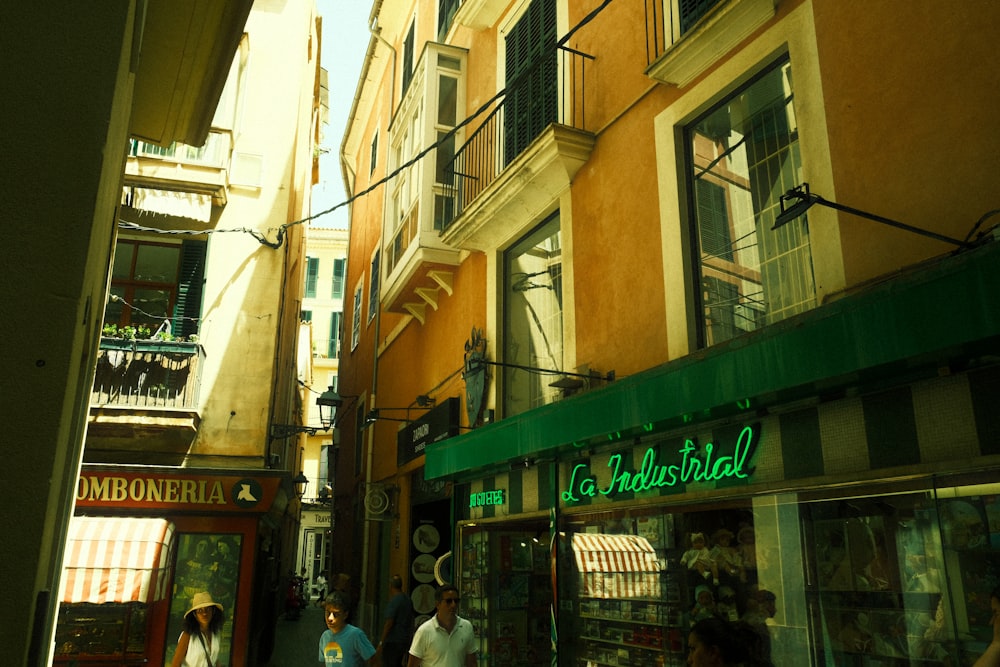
point(438, 423)
point(488, 498)
point(214, 493)
point(691, 463)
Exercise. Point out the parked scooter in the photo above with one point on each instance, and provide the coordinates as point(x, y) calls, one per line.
point(295, 597)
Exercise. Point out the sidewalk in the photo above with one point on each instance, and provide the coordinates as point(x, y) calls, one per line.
point(296, 643)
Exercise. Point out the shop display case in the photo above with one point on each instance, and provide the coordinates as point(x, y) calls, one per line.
point(506, 590)
point(883, 587)
point(101, 634)
point(631, 609)
point(474, 599)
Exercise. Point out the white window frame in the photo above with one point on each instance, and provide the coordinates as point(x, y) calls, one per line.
point(796, 35)
point(359, 289)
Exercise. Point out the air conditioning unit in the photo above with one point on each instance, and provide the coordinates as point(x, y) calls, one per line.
point(246, 170)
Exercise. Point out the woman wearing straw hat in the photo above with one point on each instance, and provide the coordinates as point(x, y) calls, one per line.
point(199, 642)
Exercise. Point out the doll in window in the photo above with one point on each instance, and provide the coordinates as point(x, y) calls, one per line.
point(699, 559)
point(727, 557)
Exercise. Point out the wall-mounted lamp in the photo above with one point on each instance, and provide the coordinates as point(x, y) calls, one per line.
point(804, 200)
point(300, 481)
point(329, 402)
point(375, 414)
point(566, 380)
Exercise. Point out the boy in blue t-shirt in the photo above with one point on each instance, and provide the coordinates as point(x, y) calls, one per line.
point(341, 643)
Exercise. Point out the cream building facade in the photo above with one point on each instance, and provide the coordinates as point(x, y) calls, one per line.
point(185, 145)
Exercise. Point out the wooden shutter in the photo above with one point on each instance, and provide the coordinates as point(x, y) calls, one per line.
point(692, 10)
point(190, 286)
point(532, 78)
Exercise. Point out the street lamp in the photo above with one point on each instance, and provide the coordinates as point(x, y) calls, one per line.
point(329, 401)
point(300, 481)
point(804, 200)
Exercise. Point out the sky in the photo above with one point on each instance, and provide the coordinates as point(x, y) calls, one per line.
point(345, 41)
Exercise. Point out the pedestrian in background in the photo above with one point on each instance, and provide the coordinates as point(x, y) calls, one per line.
point(398, 628)
point(446, 639)
point(342, 643)
point(991, 657)
point(200, 640)
point(715, 642)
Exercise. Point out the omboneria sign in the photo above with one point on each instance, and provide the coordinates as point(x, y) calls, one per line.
point(690, 463)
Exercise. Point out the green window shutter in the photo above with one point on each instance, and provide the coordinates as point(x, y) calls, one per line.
point(692, 10)
point(337, 290)
point(532, 79)
point(334, 351)
point(312, 275)
point(190, 287)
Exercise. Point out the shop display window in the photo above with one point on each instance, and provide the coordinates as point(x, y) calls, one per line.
point(903, 579)
point(891, 578)
point(633, 582)
point(205, 562)
point(90, 632)
point(505, 581)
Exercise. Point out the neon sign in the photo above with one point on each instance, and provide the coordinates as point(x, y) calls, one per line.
point(485, 498)
point(694, 465)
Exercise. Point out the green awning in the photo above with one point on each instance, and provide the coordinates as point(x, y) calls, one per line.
point(941, 313)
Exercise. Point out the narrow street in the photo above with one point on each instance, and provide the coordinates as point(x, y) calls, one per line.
point(296, 643)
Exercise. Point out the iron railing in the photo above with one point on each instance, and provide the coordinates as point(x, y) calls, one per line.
point(214, 153)
point(501, 136)
point(147, 373)
point(668, 20)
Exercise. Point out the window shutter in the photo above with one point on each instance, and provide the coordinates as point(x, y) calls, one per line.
point(190, 286)
point(532, 83)
point(312, 275)
point(692, 10)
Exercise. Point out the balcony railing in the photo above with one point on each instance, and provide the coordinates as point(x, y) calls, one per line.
point(401, 240)
point(504, 134)
point(215, 152)
point(668, 20)
point(147, 374)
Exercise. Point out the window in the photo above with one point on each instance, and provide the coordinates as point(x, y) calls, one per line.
point(533, 320)
point(373, 287)
point(306, 316)
point(532, 102)
point(446, 13)
point(373, 158)
point(312, 275)
point(356, 325)
point(742, 155)
point(155, 282)
point(408, 48)
point(339, 269)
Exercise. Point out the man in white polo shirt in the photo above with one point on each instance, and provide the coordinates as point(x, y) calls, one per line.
point(446, 640)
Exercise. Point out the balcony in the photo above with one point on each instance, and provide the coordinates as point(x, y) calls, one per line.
point(684, 39)
point(155, 172)
point(144, 402)
point(502, 177)
point(417, 265)
point(479, 14)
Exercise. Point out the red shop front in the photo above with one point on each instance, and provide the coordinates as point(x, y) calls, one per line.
point(144, 541)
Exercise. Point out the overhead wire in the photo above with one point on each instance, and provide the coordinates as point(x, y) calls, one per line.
point(443, 138)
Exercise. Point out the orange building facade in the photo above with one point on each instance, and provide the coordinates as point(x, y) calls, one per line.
point(591, 325)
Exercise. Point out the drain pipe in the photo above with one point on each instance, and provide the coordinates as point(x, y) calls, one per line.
point(369, 463)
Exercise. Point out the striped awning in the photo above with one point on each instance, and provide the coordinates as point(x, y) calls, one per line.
point(617, 566)
point(117, 559)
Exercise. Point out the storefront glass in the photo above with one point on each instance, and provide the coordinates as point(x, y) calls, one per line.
point(894, 574)
point(505, 584)
point(206, 562)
